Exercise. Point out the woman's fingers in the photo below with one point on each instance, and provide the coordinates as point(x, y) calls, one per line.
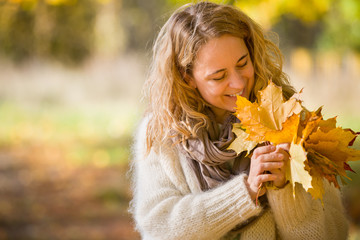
point(270, 166)
point(266, 177)
point(271, 157)
point(263, 150)
point(267, 165)
point(255, 185)
point(278, 179)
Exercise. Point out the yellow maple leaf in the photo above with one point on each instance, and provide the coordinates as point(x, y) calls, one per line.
point(317, 189)
point(240, 144)
point(353, 154)
point(286, 135)
point(320, 165)
point(327, 125)
point(277, 110)
point(295, 172)
point(319, 150)
point(249, 115)
point(268, 115)
point(309, 123)
point(335, 134)
point(342, 138)
point(329, 150)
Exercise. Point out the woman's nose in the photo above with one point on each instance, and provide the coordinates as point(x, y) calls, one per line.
point(237, 81)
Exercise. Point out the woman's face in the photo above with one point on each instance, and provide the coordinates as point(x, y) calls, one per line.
point(222, 70)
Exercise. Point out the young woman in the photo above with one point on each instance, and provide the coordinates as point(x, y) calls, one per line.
point(186, 184)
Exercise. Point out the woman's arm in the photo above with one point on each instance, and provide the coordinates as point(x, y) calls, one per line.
point(162, 211)
point(304, 218)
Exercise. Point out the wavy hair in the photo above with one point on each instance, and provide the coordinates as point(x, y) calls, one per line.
point(177, 109)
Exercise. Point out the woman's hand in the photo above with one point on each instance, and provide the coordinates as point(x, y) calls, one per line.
point(267, 164)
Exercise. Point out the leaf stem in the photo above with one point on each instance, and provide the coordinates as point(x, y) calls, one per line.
point(258, 193)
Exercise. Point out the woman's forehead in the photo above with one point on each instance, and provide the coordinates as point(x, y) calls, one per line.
point(220, 51)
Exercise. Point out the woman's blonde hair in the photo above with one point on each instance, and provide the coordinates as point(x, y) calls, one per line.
point(177, 109)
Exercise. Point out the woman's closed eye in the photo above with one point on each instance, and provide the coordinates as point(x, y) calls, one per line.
point(242, 65)
point(219, 78)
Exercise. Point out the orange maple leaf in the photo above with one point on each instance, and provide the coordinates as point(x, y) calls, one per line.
point(269, 115)
point(319, 150)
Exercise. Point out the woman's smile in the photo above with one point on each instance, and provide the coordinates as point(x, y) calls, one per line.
point(222, 71)
point(234, 96)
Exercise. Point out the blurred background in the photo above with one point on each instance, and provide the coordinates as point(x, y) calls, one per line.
point(71, 73)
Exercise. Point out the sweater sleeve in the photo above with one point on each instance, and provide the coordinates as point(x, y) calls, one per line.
point(305, 218)
point(162, 211)
point(164, 208)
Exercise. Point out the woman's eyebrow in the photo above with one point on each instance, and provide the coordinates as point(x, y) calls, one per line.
point(220, 70)
point(223, 69)
point(244, 56)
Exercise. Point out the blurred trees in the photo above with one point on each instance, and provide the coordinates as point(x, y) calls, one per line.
point(59, 29)
point(313, 24)
point(342, 26)
point(141, 20)
point(73, 30)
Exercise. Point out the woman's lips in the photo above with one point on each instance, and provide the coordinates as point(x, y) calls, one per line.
point(236, 94)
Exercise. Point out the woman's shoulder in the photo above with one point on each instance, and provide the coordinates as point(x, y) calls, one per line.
point(164, 155)
point(140, 129)
point(140, 136)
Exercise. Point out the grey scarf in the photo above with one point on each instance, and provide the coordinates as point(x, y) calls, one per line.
point(211, 161)
point(208, 155)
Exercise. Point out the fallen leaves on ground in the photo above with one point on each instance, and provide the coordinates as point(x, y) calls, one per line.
point(49, 198)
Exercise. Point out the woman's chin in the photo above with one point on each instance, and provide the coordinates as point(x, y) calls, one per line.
point(232, 108)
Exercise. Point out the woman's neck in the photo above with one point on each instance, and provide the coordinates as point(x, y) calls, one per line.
point(220, 114)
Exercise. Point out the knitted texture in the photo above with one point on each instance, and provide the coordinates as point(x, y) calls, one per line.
point(298, 213)
point(167, 204)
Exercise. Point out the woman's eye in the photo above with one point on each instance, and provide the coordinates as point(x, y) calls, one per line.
point(219, 78)
point(242, 65)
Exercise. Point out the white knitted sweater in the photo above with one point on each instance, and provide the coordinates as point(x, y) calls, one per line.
point(168, 204)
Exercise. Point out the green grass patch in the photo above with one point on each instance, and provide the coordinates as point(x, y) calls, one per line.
point(98, 135)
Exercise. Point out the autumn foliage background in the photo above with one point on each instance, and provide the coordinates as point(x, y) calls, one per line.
point(71, 72)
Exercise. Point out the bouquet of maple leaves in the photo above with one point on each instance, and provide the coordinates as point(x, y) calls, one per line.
point(318, 148)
